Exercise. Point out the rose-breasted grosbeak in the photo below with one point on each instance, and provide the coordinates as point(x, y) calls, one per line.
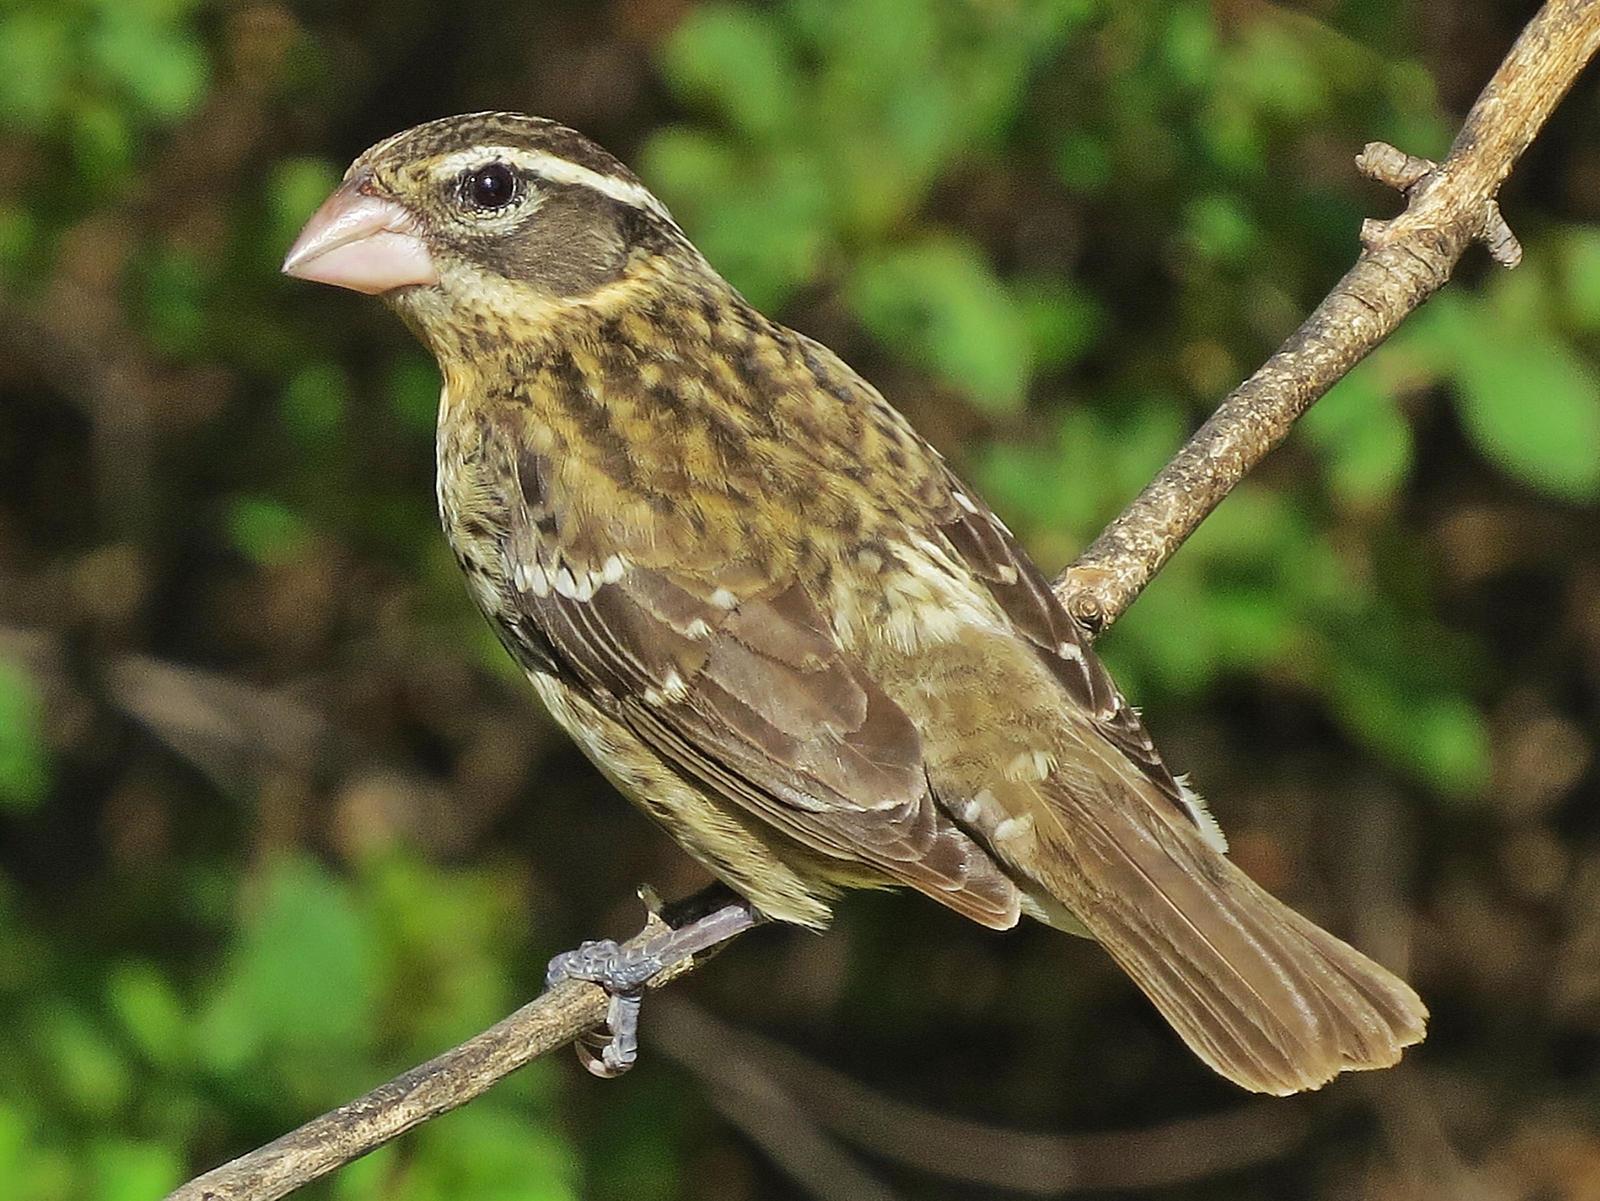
point(771, 614)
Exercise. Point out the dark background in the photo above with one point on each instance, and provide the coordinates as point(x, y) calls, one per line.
point(277, 819)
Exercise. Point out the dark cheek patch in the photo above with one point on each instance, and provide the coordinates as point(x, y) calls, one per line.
point(569, 244)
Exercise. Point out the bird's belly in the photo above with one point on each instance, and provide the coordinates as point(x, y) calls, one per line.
point(782, 880)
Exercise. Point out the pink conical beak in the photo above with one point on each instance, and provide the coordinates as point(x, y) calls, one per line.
point(361, 241)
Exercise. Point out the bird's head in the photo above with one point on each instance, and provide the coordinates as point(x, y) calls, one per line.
point(465, 218)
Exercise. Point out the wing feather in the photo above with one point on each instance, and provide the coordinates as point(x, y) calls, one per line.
point(745, 691)
point(992, 554)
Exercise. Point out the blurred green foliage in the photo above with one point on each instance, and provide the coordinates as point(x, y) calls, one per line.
point(322, 975)
point(24, 761)
point(1055, 232)
point(97, 74)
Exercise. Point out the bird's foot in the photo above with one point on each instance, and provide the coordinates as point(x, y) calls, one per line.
point(625, 969)
point(622, 972)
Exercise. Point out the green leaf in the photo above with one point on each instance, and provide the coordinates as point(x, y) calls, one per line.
point(14, 1138)
point(691, 169)
point(1580, 276)
point(85, 1063)
point(763, 223)
point(736, 60)
point(149, 1011)
point(1062, 321)
point(294, 190)
point(1168, 639)
point(1274, 69)
point(314, 401)
point(1138, 438)
point(1249, 532)
point(1220, 228)
point(31, 1169)
point(266, 530)
point(1236, 598)
point(1365, 442)
point(492, 1152)
point(1060, 495)
point(1083, 162)
point(1027, 485)
point(36, 60)
point(24, 760)
point(412, 385)
point(125, 1170)
point(1230, 130)
point(19, 239)
point(303, 977)
point(155, 13)
point(174, 302)
point(1190, 43)
point(1438, 736)
point(370, 1178)
point(164, 70)
point(102, 141)
point(1528, 402)
point(937, 302)
point(442, 934)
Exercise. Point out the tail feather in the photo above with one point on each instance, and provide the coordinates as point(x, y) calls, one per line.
point(1267, 998)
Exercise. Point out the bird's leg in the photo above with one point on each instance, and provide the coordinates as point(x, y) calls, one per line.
point(624, 970)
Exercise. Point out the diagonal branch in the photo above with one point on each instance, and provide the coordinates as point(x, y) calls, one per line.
point(1403, 262)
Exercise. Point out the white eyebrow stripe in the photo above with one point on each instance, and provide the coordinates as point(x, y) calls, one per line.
point(558, 170)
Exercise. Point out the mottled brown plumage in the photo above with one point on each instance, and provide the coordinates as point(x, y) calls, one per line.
point(771, 614)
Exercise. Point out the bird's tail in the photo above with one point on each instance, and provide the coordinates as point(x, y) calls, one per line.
point(1266, 997)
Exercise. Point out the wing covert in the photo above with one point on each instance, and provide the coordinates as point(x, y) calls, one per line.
point(743, 689)
point(993, 555)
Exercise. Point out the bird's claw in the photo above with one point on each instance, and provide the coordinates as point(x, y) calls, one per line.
point(622, 972)
point(611, 1051)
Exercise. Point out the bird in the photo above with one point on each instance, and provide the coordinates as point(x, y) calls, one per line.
point(775, 618)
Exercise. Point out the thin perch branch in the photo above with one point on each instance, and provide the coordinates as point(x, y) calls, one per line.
point(1404, 261)
point(553, 1019)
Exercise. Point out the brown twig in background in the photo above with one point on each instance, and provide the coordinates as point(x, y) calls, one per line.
point(225, 727)
point(730, 1060)
point(742, 1077)
point(1403, 262)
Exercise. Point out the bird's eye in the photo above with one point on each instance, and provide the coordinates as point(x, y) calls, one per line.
point(490, 187)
